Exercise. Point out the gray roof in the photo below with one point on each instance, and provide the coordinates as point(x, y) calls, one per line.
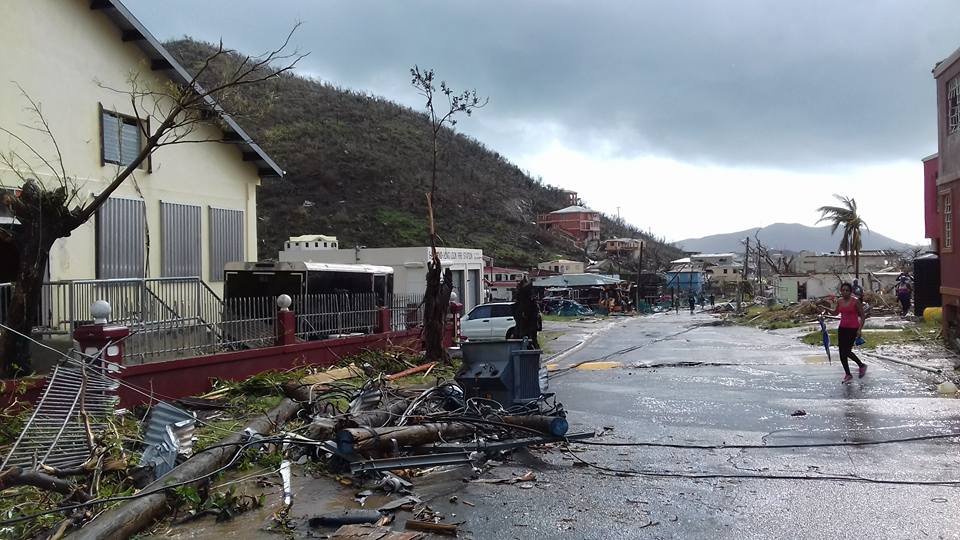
point(161, 60)
point(575, 280)
point(571, 210)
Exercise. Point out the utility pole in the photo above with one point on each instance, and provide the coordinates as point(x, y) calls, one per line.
point(743, 275)
point(759, 269)
point(639, 275)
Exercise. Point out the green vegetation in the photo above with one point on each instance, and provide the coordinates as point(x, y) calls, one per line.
point(876, 338)
point(364, 163)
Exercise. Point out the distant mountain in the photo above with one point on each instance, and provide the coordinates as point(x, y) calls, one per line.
point(785, 236)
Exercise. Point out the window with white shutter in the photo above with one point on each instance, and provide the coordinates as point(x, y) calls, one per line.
point(121, 138)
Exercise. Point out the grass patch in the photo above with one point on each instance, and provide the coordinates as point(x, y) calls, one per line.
point(877, 338)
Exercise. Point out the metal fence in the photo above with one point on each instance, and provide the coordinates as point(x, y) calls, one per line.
point(406, 311)
point(321, 316)
point(173, 318)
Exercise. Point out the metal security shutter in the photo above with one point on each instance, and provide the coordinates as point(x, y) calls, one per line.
point(129, 142)
point(226, 239)
point(121, 237)
point(180, 240)
point(111, 137)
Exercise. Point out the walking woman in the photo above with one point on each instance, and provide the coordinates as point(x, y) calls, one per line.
point(851, 322)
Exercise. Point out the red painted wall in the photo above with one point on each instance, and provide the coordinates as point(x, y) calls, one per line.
point(950, 260)
point(931, 220)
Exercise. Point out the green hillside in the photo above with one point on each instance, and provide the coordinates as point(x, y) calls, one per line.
point(358, 167)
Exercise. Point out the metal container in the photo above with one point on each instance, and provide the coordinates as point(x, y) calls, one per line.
point(502, 371)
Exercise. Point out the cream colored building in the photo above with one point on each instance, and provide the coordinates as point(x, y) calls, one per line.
point(562, 266)
point(191, 209)
point(409, 266)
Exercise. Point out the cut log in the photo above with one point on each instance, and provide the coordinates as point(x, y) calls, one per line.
point(411, 371)
point(429, 526)
point(379, 440)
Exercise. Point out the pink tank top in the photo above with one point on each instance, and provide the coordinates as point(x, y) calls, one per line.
point(849, 317)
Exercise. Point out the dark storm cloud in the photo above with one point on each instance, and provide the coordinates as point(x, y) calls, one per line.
point(796, 84)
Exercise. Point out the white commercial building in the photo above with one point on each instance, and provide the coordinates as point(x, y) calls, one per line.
point(409, 267)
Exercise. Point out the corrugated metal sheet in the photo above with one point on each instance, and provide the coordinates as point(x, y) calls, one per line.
point(162, 415)
point(180, 240)
point(226, 239)
point(121, 232)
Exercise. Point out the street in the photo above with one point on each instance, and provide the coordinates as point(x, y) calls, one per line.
point(744, 393)
point(685, 380)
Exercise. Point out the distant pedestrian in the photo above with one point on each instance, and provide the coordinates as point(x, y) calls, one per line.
point(904, 291)
point(857, 290)
point(852, 318)
point(712, 300)
point(693, 303)
point(701, 300)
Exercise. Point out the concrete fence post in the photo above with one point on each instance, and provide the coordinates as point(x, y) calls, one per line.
point(384, 320)
point(286, 323)
point(101, 336)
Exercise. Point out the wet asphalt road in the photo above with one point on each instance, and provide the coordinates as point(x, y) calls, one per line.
point(744, 392)
point(683, 381)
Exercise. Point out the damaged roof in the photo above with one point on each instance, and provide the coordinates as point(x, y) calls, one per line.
point(575, 280)
point(161, 60)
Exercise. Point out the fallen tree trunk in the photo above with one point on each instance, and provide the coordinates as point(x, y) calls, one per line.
point(377, 418)
point(133, 516)
point(16, 476)
point(379, 440)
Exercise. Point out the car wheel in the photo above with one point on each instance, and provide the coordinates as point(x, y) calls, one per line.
point(510, 333)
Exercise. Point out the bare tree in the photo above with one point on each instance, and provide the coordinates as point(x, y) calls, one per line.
point(436, 302)
point(46, 211)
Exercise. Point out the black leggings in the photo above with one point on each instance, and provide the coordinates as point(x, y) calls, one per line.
point(846, 338)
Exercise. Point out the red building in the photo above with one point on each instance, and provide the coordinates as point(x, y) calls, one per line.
point(577, 222)
point(946, 189)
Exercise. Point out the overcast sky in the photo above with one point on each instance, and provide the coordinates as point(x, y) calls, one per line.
point(694, 117)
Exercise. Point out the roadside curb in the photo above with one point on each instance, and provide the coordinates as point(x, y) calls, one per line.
point(904, 363)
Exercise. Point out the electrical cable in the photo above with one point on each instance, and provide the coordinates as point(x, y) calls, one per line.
point(824, 478)
point(772, 446)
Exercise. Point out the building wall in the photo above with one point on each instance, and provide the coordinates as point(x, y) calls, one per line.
point(931, 219)
point(63, 54)
point(570, 222)
point(948, 184)
point(950, 257)
point(684, 281)
point(409, 266)
point(733, 273)
point(562, 267)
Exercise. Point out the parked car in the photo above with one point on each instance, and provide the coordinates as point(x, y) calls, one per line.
point(491, 321)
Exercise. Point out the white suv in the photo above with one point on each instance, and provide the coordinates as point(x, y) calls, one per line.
point(488, 321)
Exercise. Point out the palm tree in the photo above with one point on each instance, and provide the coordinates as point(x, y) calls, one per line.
point(846, 216)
